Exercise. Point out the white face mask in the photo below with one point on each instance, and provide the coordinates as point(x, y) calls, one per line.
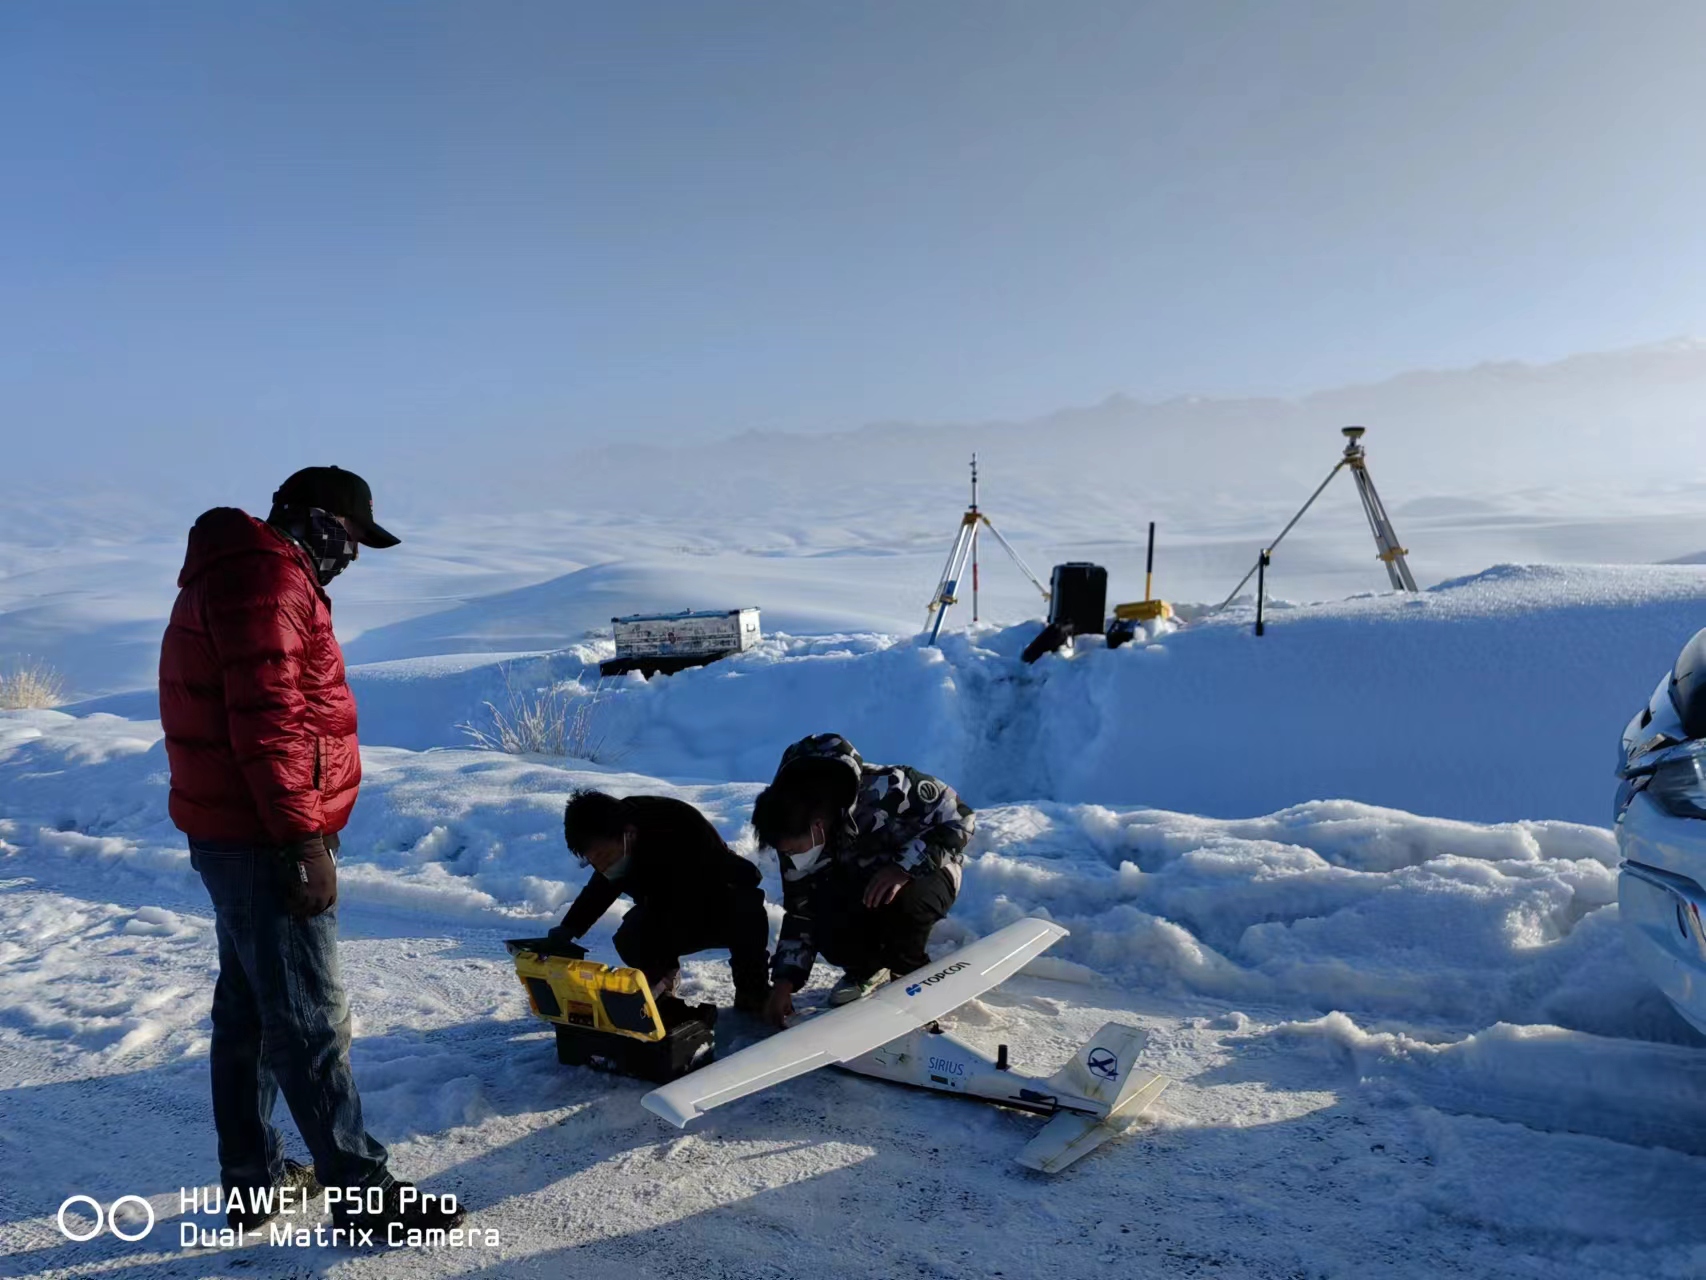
point(801, 864)
point(625, 863)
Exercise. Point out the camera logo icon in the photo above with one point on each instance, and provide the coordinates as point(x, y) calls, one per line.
point(105, 1219)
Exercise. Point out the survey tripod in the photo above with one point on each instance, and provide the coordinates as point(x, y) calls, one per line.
point(964, 552)
point(1391, 552)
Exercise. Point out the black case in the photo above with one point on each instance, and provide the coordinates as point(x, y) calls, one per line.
point(1078, 598)
point(689, 1045)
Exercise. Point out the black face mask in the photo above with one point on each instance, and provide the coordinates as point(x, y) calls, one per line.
point(323, 535)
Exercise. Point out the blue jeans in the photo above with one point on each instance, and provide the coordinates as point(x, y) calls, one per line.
point(280, 1021)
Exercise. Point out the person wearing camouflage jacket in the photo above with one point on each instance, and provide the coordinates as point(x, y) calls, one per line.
point(871, 858)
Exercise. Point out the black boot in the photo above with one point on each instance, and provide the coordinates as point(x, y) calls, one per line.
point(248, 1216)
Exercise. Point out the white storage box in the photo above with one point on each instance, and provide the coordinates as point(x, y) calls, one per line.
point(704, 633)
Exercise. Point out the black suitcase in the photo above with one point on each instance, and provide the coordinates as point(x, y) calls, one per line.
point(689, 1045)
point(1078, 598)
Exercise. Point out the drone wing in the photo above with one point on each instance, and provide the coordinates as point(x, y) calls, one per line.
point(904, 1005)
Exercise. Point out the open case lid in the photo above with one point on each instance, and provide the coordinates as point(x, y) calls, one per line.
point(545, 947)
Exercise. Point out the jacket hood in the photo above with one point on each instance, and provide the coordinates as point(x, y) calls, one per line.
point(811, 755)
point(224, 532)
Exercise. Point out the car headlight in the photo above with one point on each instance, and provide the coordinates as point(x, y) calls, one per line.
point(1678, 784)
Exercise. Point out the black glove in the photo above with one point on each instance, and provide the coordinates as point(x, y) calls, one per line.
point(310, 876)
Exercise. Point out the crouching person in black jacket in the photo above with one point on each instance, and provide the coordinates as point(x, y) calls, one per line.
point(691, 892)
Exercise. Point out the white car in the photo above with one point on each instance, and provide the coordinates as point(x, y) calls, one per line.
point(1661, 833)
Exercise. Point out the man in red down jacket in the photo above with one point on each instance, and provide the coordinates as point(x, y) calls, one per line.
point(261, 737)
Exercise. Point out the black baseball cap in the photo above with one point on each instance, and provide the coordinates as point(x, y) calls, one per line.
point(341, 492)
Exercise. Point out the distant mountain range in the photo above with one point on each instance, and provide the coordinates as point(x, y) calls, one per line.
point(1621, 427)
point(1628, 420)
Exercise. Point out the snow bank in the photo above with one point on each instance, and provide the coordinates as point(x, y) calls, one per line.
point(1495, 698)
point(1328, 905)
point(1544, 1077)
point(1333, 905)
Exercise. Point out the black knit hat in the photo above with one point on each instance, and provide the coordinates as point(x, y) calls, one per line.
point(341, 492)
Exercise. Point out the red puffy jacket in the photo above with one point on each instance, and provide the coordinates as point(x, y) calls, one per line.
point(259, 720)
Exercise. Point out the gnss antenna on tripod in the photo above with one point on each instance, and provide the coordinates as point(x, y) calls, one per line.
point(964, 551)
point(1391, 552)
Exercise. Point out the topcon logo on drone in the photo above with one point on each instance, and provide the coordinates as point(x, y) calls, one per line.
point(936, 977)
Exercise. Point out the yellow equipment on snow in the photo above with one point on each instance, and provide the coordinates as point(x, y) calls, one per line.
point(608, 1017)
point(1146, 609)
point(1143, 611)
point(584, 993)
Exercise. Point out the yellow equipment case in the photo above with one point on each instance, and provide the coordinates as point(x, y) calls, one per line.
point(1148, 609)
point(1143, 611)
point(606, 1017)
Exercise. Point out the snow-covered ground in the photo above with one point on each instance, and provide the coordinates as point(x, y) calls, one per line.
point(1354, 878)
point(1403, 1045)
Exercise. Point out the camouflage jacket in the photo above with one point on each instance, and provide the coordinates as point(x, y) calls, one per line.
point(898, 816)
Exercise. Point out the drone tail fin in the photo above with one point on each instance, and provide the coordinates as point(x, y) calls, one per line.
point(1100, 1073)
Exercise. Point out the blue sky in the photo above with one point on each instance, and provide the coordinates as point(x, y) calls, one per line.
point(416, 226)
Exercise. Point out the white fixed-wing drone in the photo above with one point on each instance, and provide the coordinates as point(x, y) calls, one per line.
point(893, 1036)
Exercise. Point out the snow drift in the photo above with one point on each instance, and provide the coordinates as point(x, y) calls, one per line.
point(1494, 698)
